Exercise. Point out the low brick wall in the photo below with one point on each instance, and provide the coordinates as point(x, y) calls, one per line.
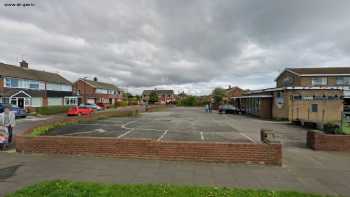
point(327, 142)
point(270, 154)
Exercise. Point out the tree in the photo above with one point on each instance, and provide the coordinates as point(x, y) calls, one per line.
point(189, 101)
point(218, 95)
point(153, 97)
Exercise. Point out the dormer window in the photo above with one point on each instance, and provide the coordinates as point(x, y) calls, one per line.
point(319, 81)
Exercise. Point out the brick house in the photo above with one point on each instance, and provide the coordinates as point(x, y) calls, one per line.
point(28, 88)
point(316, 95)
point(232, 92)
point(94, 91)
point(164, 96)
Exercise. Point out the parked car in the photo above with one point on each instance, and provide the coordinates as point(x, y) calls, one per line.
point(92, 106)
point(227, 109)
point(79, 110)
point(19, 112)
point(103, 106)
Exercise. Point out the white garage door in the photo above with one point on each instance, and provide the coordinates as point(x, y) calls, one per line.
point(91, 101)
point(37, 101)
point(54, 101)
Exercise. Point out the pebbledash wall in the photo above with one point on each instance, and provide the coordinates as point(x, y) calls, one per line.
point(327, 142)
point(260, 153)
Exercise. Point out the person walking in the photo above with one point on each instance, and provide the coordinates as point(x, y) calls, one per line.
point(8, 120)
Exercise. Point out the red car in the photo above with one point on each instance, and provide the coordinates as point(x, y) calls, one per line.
point(103, 106)
point(79, 110)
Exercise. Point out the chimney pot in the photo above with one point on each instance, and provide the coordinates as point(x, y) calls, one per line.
point(23, 64)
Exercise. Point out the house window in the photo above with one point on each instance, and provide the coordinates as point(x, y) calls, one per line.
point(14, 101)
point(22, 83)
point(59, 87)
point(5, 100)
point(13, 83)
point(343, 80)
point(314, 108)
point(70, 100)
point(319, 81)
point(34, 86)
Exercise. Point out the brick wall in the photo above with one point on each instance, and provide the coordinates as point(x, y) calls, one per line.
point(270, 154)
point(326, 142)
point(2, 84)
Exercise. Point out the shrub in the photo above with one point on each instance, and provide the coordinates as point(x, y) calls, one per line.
point(52, 110)
point(121, 103)
point(191, 101)
point(133, 103)
point(45, 129)
point(331, 128)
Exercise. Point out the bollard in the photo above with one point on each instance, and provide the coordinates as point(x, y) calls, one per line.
point(268, 136)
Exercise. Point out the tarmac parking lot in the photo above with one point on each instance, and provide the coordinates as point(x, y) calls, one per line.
point(186, 124)
point(179, 124)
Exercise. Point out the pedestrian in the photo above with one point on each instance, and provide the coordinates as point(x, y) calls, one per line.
point(8, 120)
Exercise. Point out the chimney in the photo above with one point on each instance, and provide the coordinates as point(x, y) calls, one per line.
point(23, 64)
point(95, 78)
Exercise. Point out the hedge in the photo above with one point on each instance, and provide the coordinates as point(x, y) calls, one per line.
point(45, 128)
point(52, 110)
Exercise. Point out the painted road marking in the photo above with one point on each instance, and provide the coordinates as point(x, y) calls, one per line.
point(124, 125)
point(78, 133)
point(162, 136)
point(202, 136)
point(100, 130)
point(249, 138)
point(124, 134)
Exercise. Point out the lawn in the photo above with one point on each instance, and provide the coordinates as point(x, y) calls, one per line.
point(78, 189)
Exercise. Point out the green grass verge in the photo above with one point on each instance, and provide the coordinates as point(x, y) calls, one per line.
point(43, 130)
point(82, 189)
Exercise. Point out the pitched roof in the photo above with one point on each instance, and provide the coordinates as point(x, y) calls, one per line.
point(317, 71)
point(159, 92)
point(101, 85)
point(31, 74)
point(321, 71)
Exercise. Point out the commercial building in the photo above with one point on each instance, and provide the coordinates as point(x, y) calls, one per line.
point(28, 88)
point(316, 95)
point(94, 91)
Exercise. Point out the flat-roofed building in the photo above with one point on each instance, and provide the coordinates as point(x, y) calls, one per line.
point(316, 95)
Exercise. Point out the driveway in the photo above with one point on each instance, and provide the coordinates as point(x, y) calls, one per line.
point(303, 169)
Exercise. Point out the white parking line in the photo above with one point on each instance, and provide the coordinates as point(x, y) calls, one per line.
point(124, 134)
point(202, 136)
point(124, 125)
point(249, 138)
point(78, 133)
point(162, 136)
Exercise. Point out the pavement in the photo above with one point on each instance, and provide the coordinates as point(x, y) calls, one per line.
point(303, 169)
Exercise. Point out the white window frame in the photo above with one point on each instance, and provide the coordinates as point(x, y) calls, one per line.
point(23, 83)
point(72, 100)
point(59, 87)
point(343, 80)
point(319, 81)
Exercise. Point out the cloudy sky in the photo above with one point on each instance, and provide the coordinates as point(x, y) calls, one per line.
point(190, 45)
